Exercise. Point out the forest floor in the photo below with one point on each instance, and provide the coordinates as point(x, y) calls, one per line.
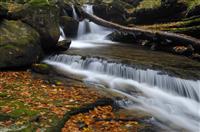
point(31, 102)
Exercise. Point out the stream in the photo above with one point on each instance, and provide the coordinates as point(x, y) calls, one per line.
point(157, 83)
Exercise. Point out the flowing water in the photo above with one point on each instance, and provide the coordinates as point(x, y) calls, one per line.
point(62, 34)
point(170, 99)
point(173, 101)
point(75, 16)
point(89, 32)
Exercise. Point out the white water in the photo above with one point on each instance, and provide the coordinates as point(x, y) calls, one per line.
point(62, 34)
point(174, 101)
point(75, 16)
point(89, 32)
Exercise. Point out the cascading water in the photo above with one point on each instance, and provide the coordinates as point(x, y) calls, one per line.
point(75, 16)
point(89, 32)
point(172, 100)
point(87, 27)
point(62, 34)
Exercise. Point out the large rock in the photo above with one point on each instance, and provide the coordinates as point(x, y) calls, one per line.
point(121, 37)
point(42, 17)
point(45, 19)
point(19, 44)
point(70, 26)
point(114, 10)
point(149, 12)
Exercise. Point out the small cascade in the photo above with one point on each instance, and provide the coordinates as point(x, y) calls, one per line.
point(89, 30)
point(75, 16)
point(62, 34)
point(89, 33)
point(177, 86)
point(172, 100)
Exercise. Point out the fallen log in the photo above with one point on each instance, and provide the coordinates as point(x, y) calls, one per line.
point(146, 34)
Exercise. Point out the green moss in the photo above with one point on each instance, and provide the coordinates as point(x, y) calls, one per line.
point(15, 31)
point(149, 4)
point(24, 112)
point(185, 26)
point(3, 94)
point(39, 2)
point(186, 29)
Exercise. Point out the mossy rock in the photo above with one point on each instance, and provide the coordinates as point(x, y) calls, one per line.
point(157, 11)
point(19, 44)
point(41, 68)
point(45, 19)
point(42, 17)
point(113, 10)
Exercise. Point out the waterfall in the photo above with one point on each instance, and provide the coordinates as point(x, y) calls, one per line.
point(89, 30)
point(89, 33)
point(62, 34)
point(170, 99)
point(75, 16)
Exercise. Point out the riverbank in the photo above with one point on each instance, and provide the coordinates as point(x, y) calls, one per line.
point(30, 102)
point(35, 102)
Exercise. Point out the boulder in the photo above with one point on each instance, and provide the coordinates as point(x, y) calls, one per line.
point(41, 16)
point(63, 45)
point(121, 37)
point(19, 44)
point(115, 11)
point(183, 50)
point(45, 19)
point(70, 26)
point(159, 11)
point(41, 68)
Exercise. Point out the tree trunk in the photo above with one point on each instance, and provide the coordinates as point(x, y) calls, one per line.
point(146, 34)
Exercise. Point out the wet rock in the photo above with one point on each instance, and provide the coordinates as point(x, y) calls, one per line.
point(19, 45)
point(121, 37)
point(70, 26)
point(115, 11)
point(41, 68)
point(63, 45)
point(182, 50)
point(149, 12)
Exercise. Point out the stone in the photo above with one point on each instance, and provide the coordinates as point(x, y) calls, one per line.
point(41, 68)
point(121, 37)
point(63, 45)
point(70, 26)
point(19, 44)
point(42, 17)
